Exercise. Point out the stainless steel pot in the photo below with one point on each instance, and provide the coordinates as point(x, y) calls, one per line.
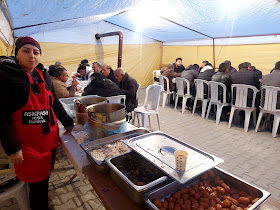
point(81, 104)
point(108, 116)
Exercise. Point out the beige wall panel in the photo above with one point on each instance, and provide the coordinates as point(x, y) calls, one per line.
point(138, 60)
point(262, 57)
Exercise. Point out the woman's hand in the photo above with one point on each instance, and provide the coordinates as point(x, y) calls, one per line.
point(16, 158)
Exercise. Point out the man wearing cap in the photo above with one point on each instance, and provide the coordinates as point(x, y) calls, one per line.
point(28, 119)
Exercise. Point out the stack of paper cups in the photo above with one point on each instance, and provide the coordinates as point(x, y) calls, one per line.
point(181, 160)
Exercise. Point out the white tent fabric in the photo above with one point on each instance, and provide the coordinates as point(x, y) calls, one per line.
point(5, 30)
point(163, 20)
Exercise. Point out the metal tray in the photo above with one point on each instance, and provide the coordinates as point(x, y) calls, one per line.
point(135, 192)
point(96, 144)
point(232, 180)
point(159, 148)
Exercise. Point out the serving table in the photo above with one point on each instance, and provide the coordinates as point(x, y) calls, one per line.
point(109, 193)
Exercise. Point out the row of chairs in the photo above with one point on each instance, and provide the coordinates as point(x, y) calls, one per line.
point(268, 94)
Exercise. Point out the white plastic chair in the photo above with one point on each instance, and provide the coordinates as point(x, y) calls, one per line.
point(180, 92)
point(120, 99)
point(151, 107)
point(269, 94)
point(199, 86)
point(18, 191)
point(241, 97)
point(156, 74)
point(214, 99)
point(166, 92)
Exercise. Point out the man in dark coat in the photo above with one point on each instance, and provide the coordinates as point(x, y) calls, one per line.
point(231, 69)
point(101, 86)
point(178, 66)
point(246, 76)
point(129, 88)
point(108, 72)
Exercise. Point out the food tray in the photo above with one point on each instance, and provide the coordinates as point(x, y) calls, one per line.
point(159, 148)
point(239, 184)
point(145, 178)
point(96, 144)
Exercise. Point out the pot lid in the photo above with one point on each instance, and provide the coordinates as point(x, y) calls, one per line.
point(159, 148)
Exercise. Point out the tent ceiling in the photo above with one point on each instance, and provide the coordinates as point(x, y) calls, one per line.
point(215, 18)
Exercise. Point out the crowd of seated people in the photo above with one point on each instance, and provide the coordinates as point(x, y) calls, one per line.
point(226, 74)
point(102, 81)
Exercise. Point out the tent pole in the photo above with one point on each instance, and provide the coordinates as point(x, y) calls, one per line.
point(120, 34)
point(214, 53)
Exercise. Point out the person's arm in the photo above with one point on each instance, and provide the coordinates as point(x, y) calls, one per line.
point(7, 133)
point(58, 109)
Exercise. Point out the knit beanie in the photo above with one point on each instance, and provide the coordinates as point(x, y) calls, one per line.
point(26, 40)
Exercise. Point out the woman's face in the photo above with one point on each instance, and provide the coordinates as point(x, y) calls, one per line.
point(28, 57)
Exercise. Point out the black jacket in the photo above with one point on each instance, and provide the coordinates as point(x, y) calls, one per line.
point(178, 69)
point(112, 77)
point(246, 77)
point(102, 86)
point(15, 85)
point(225, 79)
point(129, 87)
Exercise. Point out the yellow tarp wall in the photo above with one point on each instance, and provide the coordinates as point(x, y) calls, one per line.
point(137, 60)
point(3, 48)
point(263, 56)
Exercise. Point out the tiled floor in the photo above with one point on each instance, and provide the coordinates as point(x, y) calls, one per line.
point(253, 157)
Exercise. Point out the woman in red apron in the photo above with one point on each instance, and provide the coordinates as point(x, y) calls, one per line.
point(29, 123)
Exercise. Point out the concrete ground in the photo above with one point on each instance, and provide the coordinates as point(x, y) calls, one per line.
point(253, 157)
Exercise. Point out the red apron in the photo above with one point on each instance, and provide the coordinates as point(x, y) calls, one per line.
point(36, 129)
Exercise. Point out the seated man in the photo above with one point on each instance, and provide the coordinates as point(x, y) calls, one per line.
point(231, 69)
point(128, 87)
point(178, 66)
point(96, 67)
point(203, 64)
point(59, 77)
point(85, 72)
point(246, 76)
point(206, 72)
point(222, 76)
point(101, 86)
point(190, 74)
point(109, 73)
point(273, 79)
point(170, 74)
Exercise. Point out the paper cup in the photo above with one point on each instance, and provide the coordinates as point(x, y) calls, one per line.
point(181, 160)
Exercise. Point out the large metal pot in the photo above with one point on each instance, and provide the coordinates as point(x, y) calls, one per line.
point(81, 104)
point(107, 116)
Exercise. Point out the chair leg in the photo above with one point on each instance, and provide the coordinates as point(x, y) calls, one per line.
point(247, 120)
point(208, 110)
point(158, 122)
point(275, 125)
point(259, 121)
point(184, 101)
point(231, 116)
point(144, 120)
point(194, 105)
point(138, 120)
point(219, 113)
point(204, 106)
point(254, 117)
point(164, 96)
point(176, 101)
